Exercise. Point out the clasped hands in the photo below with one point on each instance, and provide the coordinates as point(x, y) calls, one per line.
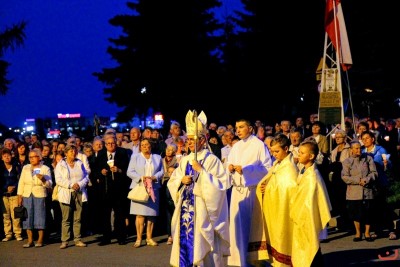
point(75, 187)
point(187, 179)
point(10, 188)
point(262, 187)
point(235, 168)
point(363, 181)
point(151, 178)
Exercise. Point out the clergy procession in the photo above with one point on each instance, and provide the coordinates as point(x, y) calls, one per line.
point(247, 194)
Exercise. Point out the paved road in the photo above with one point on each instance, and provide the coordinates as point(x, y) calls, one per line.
point(340, 250)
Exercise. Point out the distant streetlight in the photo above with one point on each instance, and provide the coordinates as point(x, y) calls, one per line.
point(368, 102)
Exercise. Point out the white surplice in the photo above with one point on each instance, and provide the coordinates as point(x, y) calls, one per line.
point(253, 155)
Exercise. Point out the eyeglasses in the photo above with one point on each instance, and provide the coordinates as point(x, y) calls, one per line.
point(145, 145)
point(110, 144)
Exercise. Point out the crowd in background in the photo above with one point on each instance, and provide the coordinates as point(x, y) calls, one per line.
point(104, 208)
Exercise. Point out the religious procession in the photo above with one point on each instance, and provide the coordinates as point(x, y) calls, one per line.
point(245, 194)
point(225, 195)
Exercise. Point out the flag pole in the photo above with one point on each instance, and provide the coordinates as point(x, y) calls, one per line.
point(339, 59)
point(331, 95)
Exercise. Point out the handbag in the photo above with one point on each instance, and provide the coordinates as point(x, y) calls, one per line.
point(21, 213)
point(54, 195)
point(139, 193)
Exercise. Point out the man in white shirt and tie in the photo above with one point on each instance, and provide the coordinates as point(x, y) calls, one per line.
point(113, 189)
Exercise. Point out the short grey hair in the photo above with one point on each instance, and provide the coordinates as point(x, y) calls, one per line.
point(37, 152)
point(340, 132)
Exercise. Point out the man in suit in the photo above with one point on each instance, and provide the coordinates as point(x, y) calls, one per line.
point(94, 210)
point(302, 128)
point(113, 184)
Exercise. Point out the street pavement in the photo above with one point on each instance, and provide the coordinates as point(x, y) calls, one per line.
point(339, 250)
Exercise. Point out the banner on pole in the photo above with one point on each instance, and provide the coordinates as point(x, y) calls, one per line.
point(330, 115)
point(330, 80)
point(330, 98)
point(330, 107)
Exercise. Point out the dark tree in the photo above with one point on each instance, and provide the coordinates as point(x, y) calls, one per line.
point(372, 28)
point(10, 38)
point(277, 50)
point(167, 47)
point(176, 51)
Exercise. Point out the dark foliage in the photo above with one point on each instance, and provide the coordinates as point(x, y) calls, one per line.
point(273, 48)
point(167, 49)
point(10, 38)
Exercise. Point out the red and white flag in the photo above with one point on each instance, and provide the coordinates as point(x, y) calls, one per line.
point(335, 27)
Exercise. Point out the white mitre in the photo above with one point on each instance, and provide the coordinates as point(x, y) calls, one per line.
point(191, 123)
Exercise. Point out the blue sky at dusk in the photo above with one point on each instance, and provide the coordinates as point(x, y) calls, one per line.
point(66, 41)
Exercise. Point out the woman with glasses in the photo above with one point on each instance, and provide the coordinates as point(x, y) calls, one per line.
point(72, 178)
point(32, 191)
point(147, 168)
point(336, 186)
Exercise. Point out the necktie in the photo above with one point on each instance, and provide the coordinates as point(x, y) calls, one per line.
point(110, 157)
point(398, 135)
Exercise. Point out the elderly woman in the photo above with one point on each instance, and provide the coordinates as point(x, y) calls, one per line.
point(336, 186)
point(72, 178)
point(9, 176)
point(359, 172)
point(32, 191)
point(147, 168)
point(170, 163)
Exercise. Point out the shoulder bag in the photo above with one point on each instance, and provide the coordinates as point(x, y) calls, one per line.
point(139, 193)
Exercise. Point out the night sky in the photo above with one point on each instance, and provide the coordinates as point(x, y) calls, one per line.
point(66, 42)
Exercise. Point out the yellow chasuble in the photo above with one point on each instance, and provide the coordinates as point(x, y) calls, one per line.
point(310, 211)
point(271, 229)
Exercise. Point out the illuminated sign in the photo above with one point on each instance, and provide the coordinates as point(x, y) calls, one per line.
point(68, 116)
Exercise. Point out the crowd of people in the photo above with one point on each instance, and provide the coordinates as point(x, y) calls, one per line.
point(236, 195)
